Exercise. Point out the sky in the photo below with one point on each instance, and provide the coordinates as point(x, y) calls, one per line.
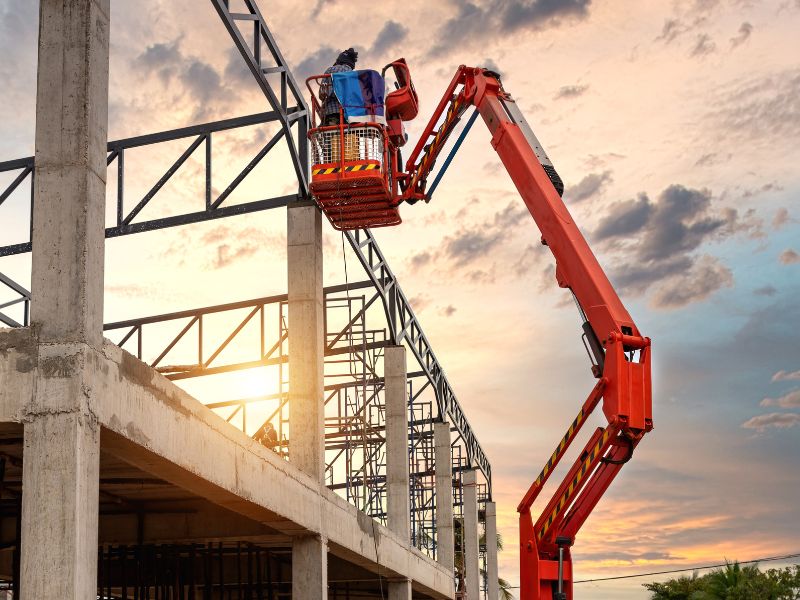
point(675, 128)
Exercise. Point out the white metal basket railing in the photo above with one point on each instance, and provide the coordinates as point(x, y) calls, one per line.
point(360, 143)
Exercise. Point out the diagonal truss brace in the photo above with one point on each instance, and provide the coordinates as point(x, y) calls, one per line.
point(404, 326)
point(263, 57)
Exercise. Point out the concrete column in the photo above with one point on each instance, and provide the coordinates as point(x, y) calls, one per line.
point(445, 552)
point(309, 568)
point(399, 589)
point(397, 478)
point(60, 477)
point(70, 176)
point(397, 484)
point(492, 583)
point(306, 340)
point(61, 432)
point(306, 384)
point(471, 554)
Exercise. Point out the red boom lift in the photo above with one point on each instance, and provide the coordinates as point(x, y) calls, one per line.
point(358, 180)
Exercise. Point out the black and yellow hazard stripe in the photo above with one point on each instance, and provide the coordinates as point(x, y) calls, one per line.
point(590, 458)
point(348, 169)
point(454, 112)
point(559, 451)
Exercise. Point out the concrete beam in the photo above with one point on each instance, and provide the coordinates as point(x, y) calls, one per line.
point(445, 551)
point(190, 521)
point(306, 340)
point(155, 426)
point(471, 553)
point(397, 478)
point(492, 581)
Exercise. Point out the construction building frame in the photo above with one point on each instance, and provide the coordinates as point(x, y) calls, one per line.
point(361, 476)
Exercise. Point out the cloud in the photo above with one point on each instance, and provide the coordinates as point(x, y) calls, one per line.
point(228, 253)
point(419, 302)
point(223, 245)
point(672, 29)
point(464, 252)
point(488, 63)
point(163, 59)
point(767, 187)
point(656, 241)
point(745, 30)
point(236, 71)
point(448, 311)
point(786, 376)
point(624, 218)
point(515, 213)
point(706, 277)
point(571, 91)
point(790, 399)
point(232, 244)
point(131, 290)
point(187, 74)
point(529, 257)
point(470, 244)
point(789, 257)
point(636, 278)
point(765, 107)
point(316, 62)
point(781, 218)
point(421, 259)
point(703, 45)
point(766, 290)
point(777, 420)
point(679, 223)
point(499, 18)
point(392, 34)
point(587, 187)
point(202, 81)
point(319, 6)
point(621, 556)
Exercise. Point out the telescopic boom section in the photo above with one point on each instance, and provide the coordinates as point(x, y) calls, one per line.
point(620, 355)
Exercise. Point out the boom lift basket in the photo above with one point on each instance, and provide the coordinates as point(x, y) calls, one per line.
point(351, 177)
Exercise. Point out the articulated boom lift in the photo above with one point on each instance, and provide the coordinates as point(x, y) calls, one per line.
point(358, 180)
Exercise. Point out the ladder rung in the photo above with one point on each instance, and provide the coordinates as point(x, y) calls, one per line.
point(244, 17)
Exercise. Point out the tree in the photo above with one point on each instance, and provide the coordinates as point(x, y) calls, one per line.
point(683, 588)
point(458, 530)
point(733, 582)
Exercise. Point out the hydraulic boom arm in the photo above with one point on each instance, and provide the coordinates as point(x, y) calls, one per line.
point(620, 355)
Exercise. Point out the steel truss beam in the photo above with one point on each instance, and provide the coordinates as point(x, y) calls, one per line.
point(207, 364)
point(24, 299)
point(404, 326)
point(264, 58)
point(200, 135)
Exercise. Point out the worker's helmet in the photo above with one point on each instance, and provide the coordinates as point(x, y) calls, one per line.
point(348, 57)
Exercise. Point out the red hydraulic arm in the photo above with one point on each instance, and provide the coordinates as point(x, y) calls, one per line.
point(620, 354)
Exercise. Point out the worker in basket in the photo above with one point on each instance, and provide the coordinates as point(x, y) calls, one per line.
point(346, 61)
point(350, 166)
